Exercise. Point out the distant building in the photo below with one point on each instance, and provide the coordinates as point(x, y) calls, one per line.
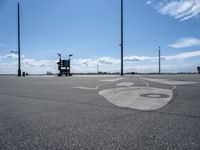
point(198, 68)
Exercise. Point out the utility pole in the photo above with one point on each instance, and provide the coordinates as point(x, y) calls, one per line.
point(122, 37)
point(70, 55)
point(159, 63)
point(97, 68)
point(19, 55)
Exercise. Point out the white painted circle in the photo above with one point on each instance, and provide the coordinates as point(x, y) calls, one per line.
point(131, 97)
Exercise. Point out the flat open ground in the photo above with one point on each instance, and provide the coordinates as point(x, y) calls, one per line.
point(100, 112)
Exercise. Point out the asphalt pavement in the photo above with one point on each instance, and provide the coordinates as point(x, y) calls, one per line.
point(100, 112)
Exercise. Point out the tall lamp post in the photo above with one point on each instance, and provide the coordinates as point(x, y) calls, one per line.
point(122, 37)
point(159, 63)
point(19, 53)
point(70, 55)
point(59, 63)
point(97, 68)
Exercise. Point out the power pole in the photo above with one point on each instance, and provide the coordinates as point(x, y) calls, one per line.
point(97, 68)
point(19, 55)
point(159, 63)
point(122, 37)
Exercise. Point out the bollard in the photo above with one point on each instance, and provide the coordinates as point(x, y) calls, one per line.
point(23, 74)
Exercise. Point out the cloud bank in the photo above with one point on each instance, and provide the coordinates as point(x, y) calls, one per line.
point(8, 63)
point(177, 57)
point(183, 56)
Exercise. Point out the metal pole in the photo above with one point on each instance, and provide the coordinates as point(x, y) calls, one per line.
point(59, 65)
point(69, 67)
point(70, 55)
point(19, 55)
point(122, 37)
point(97, 68)
point(159, 63)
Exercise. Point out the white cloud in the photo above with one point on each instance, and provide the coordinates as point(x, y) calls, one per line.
point(139, 58)
point(37, 63)
point(149, 2)
point(8, 64)
point(179, 9)
point(95, 61)
point(183, 56)
point(107, 60)
point(165, 68)
point(180, 56)
point(10, 56)
point(84, 61)
point(185, 42)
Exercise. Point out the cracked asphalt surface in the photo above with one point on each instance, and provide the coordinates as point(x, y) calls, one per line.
point(48, 113)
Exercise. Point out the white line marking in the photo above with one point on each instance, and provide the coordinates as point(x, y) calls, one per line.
point(98, 86)
point(112, 80)
point(147, 84)
point(88, 88)
point(124, 84)
point(85, 88)
point(169, 82)
point(106, 80)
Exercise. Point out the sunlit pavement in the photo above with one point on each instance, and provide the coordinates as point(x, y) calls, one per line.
point(100, 112)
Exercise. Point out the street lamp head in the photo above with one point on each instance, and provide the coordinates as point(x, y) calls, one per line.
point(59, 54)
point(15, 52)
point(70, 55)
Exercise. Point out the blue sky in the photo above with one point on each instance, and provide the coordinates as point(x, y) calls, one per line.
point(90, 29)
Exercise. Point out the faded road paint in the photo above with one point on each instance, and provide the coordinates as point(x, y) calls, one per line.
point(131, 97)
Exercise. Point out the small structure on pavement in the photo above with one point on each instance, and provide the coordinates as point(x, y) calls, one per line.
point(64, 66)
point(198, 68)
